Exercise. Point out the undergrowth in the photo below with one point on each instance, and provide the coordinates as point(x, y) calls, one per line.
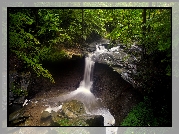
point(142, 115)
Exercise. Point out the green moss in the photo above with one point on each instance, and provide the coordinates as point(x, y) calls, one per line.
point(70, 122)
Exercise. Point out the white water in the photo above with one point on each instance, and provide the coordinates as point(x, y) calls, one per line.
point(92, 104)
point(101, 49)
point(87, 82)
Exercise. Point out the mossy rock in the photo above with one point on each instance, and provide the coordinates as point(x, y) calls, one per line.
point(73, 114)
point(73, 109)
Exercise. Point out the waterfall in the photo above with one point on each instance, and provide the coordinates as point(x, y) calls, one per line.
point(87, 81)
point(83, 93)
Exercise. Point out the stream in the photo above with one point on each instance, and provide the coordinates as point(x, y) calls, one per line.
point(85, 85)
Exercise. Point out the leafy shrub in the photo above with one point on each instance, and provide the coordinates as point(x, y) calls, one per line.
point(17, 90)
point(141, 115)
point(55, 56)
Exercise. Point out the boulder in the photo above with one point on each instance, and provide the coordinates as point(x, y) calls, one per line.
point(72, 114)
point(45, 115)
point(95, 120)
point(73, 109)
point(18, 117)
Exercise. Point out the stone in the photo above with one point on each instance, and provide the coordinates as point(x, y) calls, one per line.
point(45, 115)
point(73, 109)
point(18, 116)
point(19, 100)
point(95, 120)
point(73, 114)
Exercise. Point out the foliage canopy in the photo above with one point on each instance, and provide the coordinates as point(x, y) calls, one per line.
point(36, 33)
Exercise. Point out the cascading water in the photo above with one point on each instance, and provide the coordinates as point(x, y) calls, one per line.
point(88, 73)
point(83, 93)
point(92, 104)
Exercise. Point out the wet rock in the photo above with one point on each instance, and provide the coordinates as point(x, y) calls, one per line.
point(18, 84)
point(73, 109)
point(85, 120)
point(95, 120)
point(18, 116)
point(45, 115)
point(25, 80)
point(19, 100)
point(91, 49)
point(15, 115)
point(121, 56)
point(47, 118)
point(72, 114)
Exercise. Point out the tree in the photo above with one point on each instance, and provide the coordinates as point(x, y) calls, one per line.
point(35, 33)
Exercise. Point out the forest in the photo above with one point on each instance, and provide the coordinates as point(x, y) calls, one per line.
point(39, 38)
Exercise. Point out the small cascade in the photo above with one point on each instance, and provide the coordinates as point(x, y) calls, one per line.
point(87, 81)
point(92, 104)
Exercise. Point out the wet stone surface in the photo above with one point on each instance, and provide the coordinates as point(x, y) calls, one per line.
point(45, 115)
point(18, 117)
point(73, 109)
point(72, 113)
point(122, 59)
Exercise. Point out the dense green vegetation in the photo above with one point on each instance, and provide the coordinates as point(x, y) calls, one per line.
point(35, 33)
point(143, 115)
point(39, 34)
